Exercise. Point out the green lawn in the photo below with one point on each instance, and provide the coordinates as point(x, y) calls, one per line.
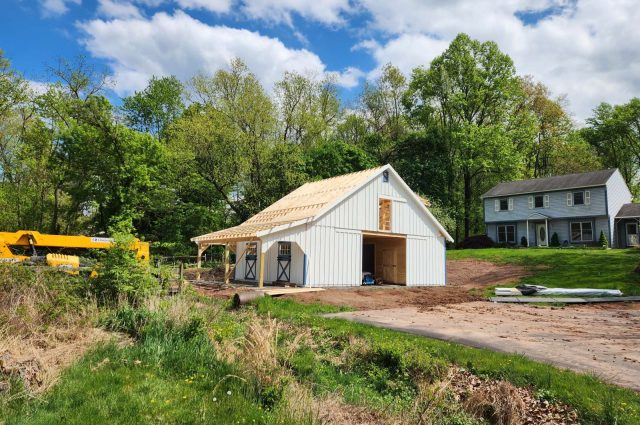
point(176, 370)
point(597, 402)
point(566, 267)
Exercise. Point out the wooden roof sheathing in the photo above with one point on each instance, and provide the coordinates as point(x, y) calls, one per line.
point(301, 205)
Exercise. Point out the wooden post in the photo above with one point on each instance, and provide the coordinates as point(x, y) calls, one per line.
point(200, 250)
point(261, 280)
point(226, 264)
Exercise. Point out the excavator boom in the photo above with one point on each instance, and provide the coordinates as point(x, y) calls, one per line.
point(33, 240)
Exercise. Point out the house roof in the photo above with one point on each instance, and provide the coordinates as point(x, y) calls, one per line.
point(568, 181)
point(629, 211)
point(303, 205)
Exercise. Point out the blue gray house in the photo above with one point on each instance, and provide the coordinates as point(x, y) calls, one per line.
point(576, 206)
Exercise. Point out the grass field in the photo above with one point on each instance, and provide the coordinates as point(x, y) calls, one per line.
point(568, 268)
point(190, 359)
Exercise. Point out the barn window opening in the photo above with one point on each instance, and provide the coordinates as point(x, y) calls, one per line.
point(385, 176)
point(384, 215)
point(284, 249)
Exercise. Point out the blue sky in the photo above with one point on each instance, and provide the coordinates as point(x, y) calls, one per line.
point(586, 51)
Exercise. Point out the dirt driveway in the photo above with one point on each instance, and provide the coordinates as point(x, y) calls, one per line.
point(604, 340)
point(462, 277)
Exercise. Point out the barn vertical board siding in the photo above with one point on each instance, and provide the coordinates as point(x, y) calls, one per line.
point(360, 210)
point(425, 261)
point(333, 244)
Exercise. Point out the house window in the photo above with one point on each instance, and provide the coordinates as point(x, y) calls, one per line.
point(385, 176)
point(504, 204)
point(284, 249)
point(252, 249)
point(507, 233)
point(581, 231)
point(384, 215)
point(579, 198)
point(539, 201)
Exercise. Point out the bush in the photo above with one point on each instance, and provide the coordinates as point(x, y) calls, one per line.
point(555, 240)
point(122, 275)
point(603, 242)
point(475, 242)
point(523, 241)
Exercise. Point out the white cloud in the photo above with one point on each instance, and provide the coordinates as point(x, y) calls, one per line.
point(117, 9)
point(325, 11)
point(588, 49)
point(56, 7)
point(178, 44)
point(349, 78)
point(38, 87)
point(216, 6)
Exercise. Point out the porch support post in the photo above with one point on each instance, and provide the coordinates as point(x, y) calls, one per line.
point(226, 263)
point(200, 251)
point(261, 278)
point(527, 233)
point(546, 229)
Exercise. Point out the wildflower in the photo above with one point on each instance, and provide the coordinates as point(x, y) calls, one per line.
point(215, 399)
point(229, 392)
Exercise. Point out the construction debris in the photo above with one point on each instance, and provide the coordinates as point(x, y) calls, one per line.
point(562, 300)
point(538, 290)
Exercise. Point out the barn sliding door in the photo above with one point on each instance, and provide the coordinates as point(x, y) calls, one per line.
point(284, 261)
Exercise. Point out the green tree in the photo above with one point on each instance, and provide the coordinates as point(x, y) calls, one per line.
point(308, 109)
point(383, 112)
point(333, 158)
point(153, 109)
point(614, 133)
point(472, 93)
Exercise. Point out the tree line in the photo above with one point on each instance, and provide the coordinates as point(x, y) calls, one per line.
point(179, 159)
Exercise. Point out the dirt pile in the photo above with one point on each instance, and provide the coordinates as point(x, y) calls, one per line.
point(504, 404)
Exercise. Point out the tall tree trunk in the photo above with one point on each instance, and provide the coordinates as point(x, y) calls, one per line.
point(468, 194)
point(56, 209)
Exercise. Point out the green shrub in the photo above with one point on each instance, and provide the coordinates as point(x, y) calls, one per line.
point(603, 242)
point(555, 240)
point(523, 241)
point(121, 275)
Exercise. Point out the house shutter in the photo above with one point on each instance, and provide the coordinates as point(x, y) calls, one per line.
point(569, 199)
point(497, 204)
point(546, 201)
point(510, 204)
point(530, 202)
point(587, 197)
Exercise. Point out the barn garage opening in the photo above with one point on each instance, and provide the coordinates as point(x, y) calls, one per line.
point(385, 256)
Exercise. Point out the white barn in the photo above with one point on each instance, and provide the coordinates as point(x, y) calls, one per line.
point(328, 232)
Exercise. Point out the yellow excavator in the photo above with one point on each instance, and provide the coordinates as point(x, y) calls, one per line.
point(14, 247)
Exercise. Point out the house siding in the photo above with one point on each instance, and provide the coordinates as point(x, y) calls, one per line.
point(618, 194)
point(561, 226)
point(558, 207)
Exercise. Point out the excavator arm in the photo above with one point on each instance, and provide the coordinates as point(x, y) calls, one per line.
point(32, 240)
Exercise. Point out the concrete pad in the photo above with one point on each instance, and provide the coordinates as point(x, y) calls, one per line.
point(599, 339)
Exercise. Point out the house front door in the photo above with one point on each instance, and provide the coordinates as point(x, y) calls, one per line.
point(632, 234)
point(541, 234)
